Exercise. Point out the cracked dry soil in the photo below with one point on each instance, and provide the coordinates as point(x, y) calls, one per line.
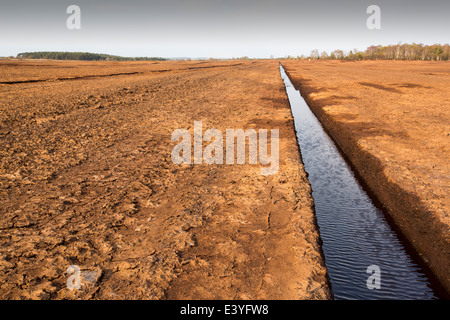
point(86, 179)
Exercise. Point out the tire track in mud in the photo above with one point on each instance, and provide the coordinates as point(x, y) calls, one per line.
point(70, 78)
point(111, 75)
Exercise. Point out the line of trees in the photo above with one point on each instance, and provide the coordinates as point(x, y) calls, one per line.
point(404, 51)
point(86, 56)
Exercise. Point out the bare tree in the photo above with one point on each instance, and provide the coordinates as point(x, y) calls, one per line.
point(314, 54)
point(339, 54)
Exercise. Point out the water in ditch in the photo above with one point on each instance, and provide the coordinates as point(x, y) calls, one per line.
point(355, 233)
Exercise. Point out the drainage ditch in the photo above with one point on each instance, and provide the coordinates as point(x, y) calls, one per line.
point(356, 233)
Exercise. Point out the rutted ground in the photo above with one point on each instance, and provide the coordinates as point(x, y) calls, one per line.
point(87, 179)
point(392, 119)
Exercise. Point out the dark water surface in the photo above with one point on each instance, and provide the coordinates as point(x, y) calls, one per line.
point(354, 231)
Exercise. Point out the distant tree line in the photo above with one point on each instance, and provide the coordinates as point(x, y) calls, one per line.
point(404, 51)
point(86, 56)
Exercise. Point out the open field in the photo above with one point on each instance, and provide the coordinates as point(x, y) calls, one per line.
point(392, 120)
point(86, 179)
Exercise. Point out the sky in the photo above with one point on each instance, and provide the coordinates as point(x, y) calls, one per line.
point(217, 28)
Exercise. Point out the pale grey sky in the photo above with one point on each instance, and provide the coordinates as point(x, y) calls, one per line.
point(217, 28)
